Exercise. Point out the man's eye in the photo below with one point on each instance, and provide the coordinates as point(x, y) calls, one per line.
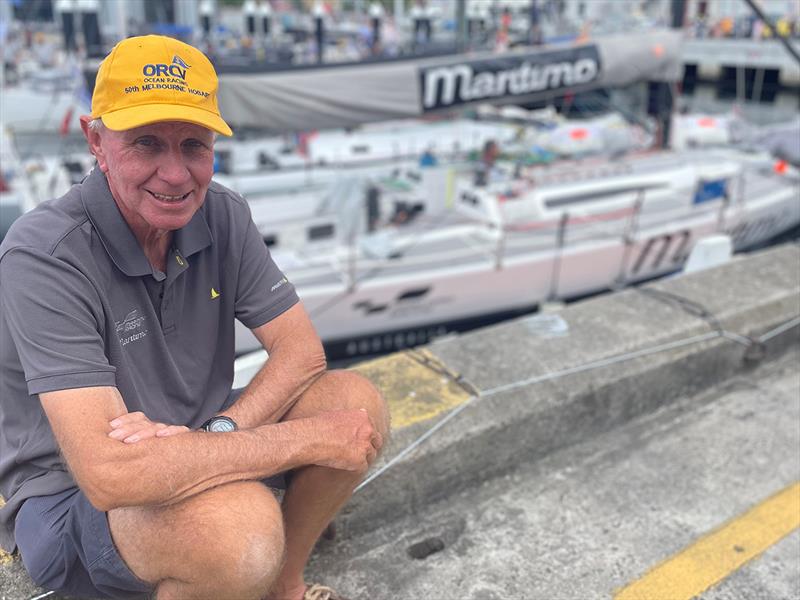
point(145, 142)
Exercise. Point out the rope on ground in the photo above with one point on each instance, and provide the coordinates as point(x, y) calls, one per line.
point(721, 333)
point(698, 310)
point(779, 330)
point(690, 306)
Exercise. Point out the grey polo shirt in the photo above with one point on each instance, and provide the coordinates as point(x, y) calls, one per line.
point(81, 306)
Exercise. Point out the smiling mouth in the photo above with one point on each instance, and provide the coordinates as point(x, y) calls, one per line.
point(168, 198)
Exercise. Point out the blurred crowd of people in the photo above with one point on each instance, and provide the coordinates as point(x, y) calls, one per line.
point(744, 27)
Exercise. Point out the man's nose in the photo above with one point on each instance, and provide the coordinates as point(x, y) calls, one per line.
point(173, 169)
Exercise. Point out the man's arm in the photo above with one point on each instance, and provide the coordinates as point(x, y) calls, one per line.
point(170, 469)
point(296, 360)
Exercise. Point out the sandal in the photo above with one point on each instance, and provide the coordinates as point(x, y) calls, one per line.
point(321, 592)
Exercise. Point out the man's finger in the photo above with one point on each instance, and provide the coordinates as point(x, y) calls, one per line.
point(144, 433)
point(137, 417)
point(171, 430)
point(128, 429)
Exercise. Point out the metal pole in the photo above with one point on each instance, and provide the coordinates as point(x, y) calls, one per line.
point(678, 10)
point(664, 93)
point(319, 31)
point(723, 207)
point(461, 26)
point(560, 237)
point(628, 239)
point(352, 263)
point(740, 84)
point(376, 15)
point(501, 248)
point(249, 12)
point(741, 189)
point(758, 85)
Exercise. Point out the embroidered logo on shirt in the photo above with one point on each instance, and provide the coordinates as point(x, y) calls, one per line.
point(279, 284)
point(130, 328)
point(214, 293)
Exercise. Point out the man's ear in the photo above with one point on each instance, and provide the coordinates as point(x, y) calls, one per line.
point(93, 139)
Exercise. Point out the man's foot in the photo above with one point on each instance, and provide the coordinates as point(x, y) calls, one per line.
point(321, 592)
point(314, 591)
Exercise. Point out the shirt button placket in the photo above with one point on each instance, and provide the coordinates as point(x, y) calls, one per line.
point(167, 305)
point(167, 312)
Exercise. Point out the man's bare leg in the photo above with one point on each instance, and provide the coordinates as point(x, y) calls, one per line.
point(226, 542)
point(316, 494)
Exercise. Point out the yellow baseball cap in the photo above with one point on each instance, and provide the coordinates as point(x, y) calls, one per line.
point(154, 78)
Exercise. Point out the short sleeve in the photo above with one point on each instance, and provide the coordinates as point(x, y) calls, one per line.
point(54, 319)
point(263, 292)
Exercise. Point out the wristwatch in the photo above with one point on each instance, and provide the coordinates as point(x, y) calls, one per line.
point(219, 424)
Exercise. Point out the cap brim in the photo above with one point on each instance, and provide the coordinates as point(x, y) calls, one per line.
point(145, 114)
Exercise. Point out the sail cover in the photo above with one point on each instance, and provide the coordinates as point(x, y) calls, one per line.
point(348, 95)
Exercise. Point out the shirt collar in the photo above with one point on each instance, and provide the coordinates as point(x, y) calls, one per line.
point(117, 237)
point(195, 235)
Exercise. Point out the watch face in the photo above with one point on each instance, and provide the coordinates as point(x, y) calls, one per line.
point(221, 425)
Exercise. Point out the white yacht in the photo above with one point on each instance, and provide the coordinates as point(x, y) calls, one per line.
point(391, 261)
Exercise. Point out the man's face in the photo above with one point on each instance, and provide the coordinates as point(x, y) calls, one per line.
point(158, 173)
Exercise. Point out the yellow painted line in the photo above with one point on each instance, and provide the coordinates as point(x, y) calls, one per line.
point(413, 392)
point(5, 558)
point(718, 554)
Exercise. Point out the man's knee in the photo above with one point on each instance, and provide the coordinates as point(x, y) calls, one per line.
point(230, 536)
point(361, 393)
point(248, 543)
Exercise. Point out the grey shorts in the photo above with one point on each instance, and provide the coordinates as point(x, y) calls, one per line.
point(66, 546)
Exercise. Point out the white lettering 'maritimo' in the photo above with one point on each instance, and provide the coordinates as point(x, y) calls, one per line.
point(458, 83)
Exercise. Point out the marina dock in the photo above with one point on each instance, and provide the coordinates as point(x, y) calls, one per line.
point(467, 410)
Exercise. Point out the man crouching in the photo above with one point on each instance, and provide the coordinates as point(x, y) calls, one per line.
point(128, 465)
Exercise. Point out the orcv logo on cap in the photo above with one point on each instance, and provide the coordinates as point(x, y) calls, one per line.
point(176, 69)
point(148, 79)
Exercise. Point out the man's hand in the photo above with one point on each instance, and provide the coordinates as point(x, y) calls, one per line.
point(350, 439)
point(134, 427)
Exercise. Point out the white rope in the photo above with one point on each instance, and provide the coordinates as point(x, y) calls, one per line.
point(735, 337)
point(600, 363)
point(779, 330)
point(408, 449)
